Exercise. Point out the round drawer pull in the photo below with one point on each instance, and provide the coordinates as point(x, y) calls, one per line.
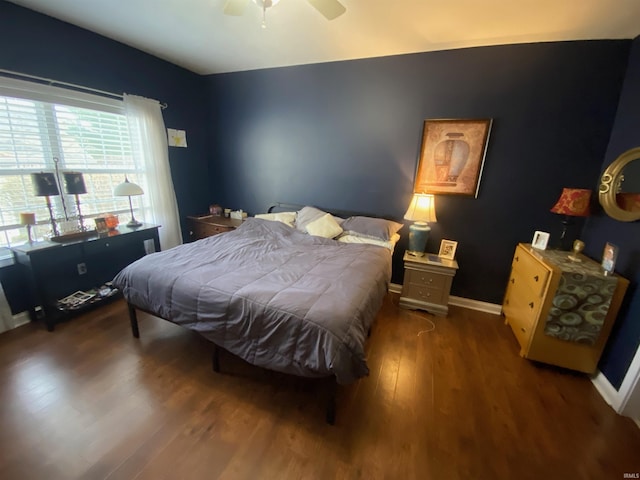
point(536, 278)
point(530, 304)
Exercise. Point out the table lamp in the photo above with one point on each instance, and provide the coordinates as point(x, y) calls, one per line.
point(573, 202)
point(28, 219)
point(421, 211)
point(45, 185)
point(129, 189)
point(74, 185)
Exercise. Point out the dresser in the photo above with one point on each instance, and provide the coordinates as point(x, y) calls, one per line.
point(427, 283)
point(561, 311)
point(208, 225)
point(55, 270)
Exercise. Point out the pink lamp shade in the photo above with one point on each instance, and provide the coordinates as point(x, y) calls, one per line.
point(573, 202)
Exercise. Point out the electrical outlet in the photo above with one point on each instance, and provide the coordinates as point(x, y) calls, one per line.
point(82, 268)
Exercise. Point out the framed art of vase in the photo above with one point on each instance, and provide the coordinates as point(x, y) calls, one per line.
point(452, 156)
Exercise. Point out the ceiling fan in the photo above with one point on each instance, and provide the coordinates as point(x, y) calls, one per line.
point(330, 9)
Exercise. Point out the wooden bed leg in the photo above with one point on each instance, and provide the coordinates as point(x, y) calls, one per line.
point(133, 318)
point(216, 359)
point(330, 414)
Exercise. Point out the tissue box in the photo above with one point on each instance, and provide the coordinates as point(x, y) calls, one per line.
point(238, 215)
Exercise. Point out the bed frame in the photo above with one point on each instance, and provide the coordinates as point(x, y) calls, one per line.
point(330, 382)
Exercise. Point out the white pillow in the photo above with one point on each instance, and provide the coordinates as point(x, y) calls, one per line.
point(325, 226)
point(288, 218)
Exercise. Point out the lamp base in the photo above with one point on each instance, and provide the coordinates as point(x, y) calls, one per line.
point(418, 236)
point(134, 223)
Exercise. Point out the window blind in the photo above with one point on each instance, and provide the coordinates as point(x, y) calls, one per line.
point(90, 137)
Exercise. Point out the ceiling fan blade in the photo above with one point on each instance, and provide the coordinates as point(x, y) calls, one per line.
point(329, 8)
point(235, 7)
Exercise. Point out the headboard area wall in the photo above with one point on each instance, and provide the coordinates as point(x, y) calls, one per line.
point(346, 135)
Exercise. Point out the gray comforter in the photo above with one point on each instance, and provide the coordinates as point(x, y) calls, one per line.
point(274, 296)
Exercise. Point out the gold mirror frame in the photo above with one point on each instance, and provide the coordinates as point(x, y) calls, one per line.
point(610, 183)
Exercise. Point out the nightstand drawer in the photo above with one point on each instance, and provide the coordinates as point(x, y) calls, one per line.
point(427, 279)
point(426, 294)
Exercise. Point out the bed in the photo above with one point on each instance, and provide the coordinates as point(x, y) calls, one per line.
point(287, 291)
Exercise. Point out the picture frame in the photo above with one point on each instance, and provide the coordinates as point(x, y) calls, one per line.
point(452, 156)
point(448, 249)
point(540, 240)
point(609, 257)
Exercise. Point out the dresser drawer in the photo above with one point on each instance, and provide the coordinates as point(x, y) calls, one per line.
point(526, 269)
point(427, 279)
point(203, 230)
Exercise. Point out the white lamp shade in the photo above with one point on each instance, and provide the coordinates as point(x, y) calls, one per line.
point(127, 189)
point(422, 208)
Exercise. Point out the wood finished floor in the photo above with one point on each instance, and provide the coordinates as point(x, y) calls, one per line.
point(89, 401)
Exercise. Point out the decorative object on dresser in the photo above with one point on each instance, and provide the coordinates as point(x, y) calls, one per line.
point(573, 202)
point(452, 156)
point(540, 240)
point(28, 219)
point(561, 311)
point(129, 189)
point(578, 247)
point(609, 257)
point(427, 283)
point(421, 211)
point(208, 225)
point(44, 184)
point(215, 210)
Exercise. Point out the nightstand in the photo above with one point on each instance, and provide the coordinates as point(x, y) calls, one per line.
point(208, 225)
point(427, 283)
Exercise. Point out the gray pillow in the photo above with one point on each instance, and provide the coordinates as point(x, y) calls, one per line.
point(371, 227)
point(306, 215)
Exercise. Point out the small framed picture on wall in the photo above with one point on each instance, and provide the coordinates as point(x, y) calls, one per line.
point(448, 249)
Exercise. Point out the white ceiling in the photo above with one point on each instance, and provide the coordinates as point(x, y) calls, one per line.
point(195, 34)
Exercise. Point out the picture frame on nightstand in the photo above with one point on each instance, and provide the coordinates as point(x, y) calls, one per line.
point(448, 249)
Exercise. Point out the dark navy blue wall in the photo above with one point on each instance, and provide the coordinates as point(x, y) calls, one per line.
point(600, 229)
point(39, 45)
point(347, 135)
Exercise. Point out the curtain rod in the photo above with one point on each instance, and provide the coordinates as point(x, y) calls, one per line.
point(52, 82)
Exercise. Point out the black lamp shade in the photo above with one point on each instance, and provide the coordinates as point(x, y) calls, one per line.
point(74, 183)
point(44, 184)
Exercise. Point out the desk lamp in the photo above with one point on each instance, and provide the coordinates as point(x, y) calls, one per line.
point(129, 189)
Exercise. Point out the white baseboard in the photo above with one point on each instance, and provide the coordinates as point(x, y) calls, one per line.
point(475, 305)
point(606, 390)
point(461, 302)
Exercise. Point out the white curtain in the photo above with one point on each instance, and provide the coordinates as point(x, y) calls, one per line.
point(8, 321)
point(149, 141)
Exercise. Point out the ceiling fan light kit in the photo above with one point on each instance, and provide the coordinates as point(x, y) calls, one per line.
point(330, 9)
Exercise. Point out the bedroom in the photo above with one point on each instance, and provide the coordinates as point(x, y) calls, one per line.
point(562, 112)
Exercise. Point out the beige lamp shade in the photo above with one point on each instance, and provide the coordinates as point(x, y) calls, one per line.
point(127, 189)
point(422, 208)
point(27, 219)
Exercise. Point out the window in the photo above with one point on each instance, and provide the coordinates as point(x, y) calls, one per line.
point(41, 126)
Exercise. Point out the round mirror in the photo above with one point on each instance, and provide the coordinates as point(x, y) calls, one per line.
point(619, 191)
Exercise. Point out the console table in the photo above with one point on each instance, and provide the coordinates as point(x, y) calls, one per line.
point(58, 269)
